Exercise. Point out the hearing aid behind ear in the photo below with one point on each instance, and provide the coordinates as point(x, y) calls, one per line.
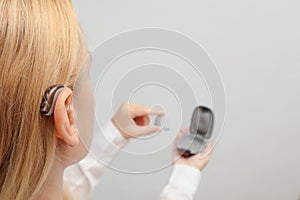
point(200, 131)
point(49, 99)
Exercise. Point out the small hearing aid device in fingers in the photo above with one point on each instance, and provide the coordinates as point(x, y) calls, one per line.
point(162, 121)
point(200, 131)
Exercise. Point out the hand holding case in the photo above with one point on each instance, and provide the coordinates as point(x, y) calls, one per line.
point(200, 131)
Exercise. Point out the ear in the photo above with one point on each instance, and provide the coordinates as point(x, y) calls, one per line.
point(64, 122)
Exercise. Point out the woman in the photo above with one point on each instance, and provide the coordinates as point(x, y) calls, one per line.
point(45, 98)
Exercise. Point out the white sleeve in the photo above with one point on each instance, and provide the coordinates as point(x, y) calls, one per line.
point(183, 183)
point(81, 178)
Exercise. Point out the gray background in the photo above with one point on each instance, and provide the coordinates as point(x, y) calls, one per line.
point(255, 45)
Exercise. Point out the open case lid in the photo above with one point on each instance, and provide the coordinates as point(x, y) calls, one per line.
point(202, 122)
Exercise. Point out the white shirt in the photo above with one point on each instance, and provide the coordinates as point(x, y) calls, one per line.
point(81, 178)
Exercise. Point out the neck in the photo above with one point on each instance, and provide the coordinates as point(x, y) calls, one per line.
point(53, 187)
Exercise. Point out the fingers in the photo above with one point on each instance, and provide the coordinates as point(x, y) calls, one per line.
point(179, 135)
point(208, 148)
point(205, 156)
point(142, 120)
point(154, 111)
point(176, 154)
point(139, 110)
point(146, 130)
point(199, 161)
point(202, 160)
point(182, 131)
point(186, 130)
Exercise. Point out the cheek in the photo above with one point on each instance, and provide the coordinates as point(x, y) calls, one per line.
point(90, 113)
point(86, 115)
point(91, 103)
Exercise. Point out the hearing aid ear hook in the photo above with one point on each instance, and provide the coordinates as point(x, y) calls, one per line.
point(49, 99)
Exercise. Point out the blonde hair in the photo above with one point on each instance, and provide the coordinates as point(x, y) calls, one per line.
point(41, 44)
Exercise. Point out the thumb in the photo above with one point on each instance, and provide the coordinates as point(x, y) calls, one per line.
point(209, 147)
point(178, 136)
point(208, 150)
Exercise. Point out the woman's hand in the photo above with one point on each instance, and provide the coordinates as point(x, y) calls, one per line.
point(133, 120)
point(198, 161)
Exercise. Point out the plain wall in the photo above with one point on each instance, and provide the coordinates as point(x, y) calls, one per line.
point(255, 45)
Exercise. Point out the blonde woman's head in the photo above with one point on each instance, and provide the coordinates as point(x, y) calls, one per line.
point(41, 44)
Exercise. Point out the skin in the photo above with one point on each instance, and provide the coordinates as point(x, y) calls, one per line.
point(131, 120)
point(68, 123)
point(66, 133)
point(198, 161)
point(140, 117)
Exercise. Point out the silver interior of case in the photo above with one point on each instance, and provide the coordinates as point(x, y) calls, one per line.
point(200, 131)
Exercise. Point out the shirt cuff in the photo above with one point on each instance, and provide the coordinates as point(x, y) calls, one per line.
point(185, 178)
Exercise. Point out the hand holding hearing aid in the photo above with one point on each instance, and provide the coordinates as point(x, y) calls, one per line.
point(133, 120)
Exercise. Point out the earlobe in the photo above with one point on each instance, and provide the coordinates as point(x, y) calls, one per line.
point(64, 121)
